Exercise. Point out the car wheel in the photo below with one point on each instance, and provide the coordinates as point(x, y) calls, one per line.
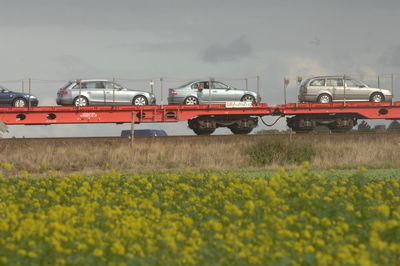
point(19, 102)
point(140, 100)
point(377, 97)
point(191, 100)
point(248, 98)
point(81, 101)
point(324, 98)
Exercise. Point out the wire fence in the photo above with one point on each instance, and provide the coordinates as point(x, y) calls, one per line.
point(290, 87)
point(47, 88)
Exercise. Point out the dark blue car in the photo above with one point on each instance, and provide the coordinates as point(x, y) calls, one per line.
point(144, 132)
point(16, 99)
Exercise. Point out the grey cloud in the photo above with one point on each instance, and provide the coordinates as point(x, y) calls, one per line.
point(158, 47)
point(232, 51)
point(74, 67)
point(391, 57)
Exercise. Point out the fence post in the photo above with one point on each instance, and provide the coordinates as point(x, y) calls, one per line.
point(379, 82)
point(344, 90)
point(210, 85)
point(258, 86)
point(247, 84)
point(151, 86)
point(392, 86)
point(161, 88)
point(285, 85)
point(30, 87)
point(113, 91)
point(132, 133)
point(80, 93)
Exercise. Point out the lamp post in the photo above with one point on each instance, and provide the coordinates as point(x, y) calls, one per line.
point(151, 83)
point(285, 85)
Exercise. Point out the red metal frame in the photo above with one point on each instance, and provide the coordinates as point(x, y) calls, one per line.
point(47, 115)
point(119, 114)
point(367, 110)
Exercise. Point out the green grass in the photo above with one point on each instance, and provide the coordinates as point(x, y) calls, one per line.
point(369, 173)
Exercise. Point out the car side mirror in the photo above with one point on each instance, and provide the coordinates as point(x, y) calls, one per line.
point(200, 89)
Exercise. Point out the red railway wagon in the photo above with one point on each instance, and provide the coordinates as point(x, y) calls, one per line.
point(204, 119)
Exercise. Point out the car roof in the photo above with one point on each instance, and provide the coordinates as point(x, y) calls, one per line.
point(330, 76)
point(89, 80)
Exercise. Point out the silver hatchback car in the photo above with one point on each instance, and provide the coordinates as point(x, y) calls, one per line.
point(199, 92)
point(327, 89)
point(101, 92)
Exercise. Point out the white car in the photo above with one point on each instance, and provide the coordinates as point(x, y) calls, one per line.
point(326, 89)
point(101, 92)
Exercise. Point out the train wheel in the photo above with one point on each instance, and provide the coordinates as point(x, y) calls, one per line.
point(240, 131)
point(204, 131)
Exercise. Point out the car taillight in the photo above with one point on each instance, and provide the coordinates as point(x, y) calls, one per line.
point(63, 92)
point(305, 90)
point(172, 92)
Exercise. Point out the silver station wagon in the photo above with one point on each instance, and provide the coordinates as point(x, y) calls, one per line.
point(326, 89)
point(101, 92)
point(199, 92)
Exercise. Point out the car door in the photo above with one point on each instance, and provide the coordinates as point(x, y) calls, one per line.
point(5, 98)
point(317, 87)
point(116, 94)
point(356, 91)
point(222, 93)
point(204, 94)
point(96, 91)
point(335, 85)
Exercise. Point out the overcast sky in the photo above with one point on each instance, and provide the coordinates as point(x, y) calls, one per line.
point(54, 41)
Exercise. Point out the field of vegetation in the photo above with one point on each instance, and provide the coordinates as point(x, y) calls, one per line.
point(227, 202)
point(200, 218)
point(373, 151)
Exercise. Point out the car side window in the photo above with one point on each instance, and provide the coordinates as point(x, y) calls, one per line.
point(100, 85)
point(318, 82)
point(352, 83)
point(334, 82)
point(200, 85)
point(112, 86)
point(220, 86)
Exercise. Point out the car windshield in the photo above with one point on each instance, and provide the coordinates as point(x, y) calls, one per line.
point(118, 86)
point(354, 83)
point(4, 89)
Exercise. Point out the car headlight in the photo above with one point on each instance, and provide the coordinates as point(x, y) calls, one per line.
point(32, 97)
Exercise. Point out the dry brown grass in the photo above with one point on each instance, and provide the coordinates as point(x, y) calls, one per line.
point(218, 153)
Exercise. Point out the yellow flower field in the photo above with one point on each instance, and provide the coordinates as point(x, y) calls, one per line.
point(200, 218)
